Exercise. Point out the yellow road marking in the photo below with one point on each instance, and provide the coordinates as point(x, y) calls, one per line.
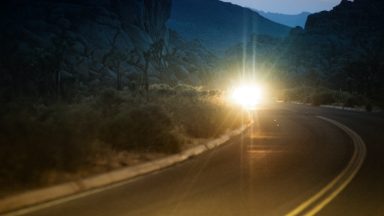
point(317, 202)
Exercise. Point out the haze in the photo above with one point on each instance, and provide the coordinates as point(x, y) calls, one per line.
point(287, 6)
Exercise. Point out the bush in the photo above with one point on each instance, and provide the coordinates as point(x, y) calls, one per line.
point(162, 90)
point(37, 139)
point(200, 121)
point(368, 107)
point(299, 94)
point(320, 96)
point(203, 117)
point(109, 101)
point(147, 128)
point(63, 137)
point(323, 96)
point(352, 100)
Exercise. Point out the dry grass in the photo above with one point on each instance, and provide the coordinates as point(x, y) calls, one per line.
point(105, 131)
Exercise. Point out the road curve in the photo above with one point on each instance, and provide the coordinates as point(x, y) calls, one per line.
point(365, 194)
point(284, 159)
point(318, 201)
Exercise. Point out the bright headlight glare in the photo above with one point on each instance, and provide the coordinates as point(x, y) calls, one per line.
point(248, 96)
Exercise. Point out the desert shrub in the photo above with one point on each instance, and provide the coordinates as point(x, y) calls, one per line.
point(37, 139)
point(109, 101)
point(323, 96)
point(145, 128)
point(368, 107)
point(162, 90)
point(199, 120)
point(299, 94)
point(354, 100)
point(203, 117)
point(187, 90)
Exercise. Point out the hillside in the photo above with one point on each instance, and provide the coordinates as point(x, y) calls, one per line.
point(64, 45)
point(343, 48)
point(220, 25)
point(286, 19)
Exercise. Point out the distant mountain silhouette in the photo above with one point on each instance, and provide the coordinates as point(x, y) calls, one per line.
point(220, 25)
point(286, 19)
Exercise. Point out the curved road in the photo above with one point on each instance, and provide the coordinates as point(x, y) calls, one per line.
point(284, 159)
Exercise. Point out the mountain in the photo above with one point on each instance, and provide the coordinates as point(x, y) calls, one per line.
point(219, 25)
point(67, 44)
point(344, 47)
point(349, 17)
point(286, 19)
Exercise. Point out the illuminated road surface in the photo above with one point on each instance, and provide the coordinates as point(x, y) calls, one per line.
point(287, 157)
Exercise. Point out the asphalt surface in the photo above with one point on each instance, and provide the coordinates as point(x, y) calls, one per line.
point(287, 156)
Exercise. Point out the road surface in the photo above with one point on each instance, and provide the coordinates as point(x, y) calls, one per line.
point(284, 159)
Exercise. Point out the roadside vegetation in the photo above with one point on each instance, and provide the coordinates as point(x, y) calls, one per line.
point(39, 138)
point(324, 96)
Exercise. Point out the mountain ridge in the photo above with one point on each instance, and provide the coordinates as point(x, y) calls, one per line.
point(291, 20)
point(343, 47)
point(218, 24)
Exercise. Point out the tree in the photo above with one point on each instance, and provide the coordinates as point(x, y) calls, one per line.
point(155, 55)
point(61, 43)
point(114, 58)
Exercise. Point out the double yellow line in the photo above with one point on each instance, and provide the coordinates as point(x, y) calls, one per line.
point(317, 202)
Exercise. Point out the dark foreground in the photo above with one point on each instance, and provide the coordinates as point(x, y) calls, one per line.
point(286, 157)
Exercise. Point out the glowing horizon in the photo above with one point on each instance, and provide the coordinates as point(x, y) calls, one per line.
point(287, 6)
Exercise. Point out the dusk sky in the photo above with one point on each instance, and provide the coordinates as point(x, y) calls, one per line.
point(288, 6)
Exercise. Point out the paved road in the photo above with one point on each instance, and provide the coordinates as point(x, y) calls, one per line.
point(287, 156)
point(365, 194)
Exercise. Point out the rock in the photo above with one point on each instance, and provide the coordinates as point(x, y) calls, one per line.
point(82, 70)
point(140, 38)
point(79, 36)
point(108, 73)
point(64, 23)
point(333, 43)
point(78, 47)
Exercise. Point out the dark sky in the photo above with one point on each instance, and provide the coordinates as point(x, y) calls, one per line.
point(288, 6)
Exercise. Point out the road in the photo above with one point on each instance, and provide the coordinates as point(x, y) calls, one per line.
point(284, 159)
